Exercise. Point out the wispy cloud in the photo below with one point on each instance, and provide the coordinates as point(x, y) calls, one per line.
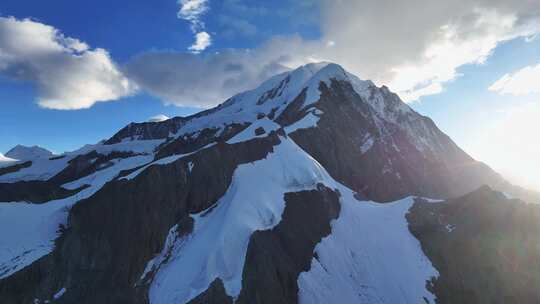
point(522, 82)
point(66, 71)
point(211, 79)
point(415, 60)
point(192, 11)
point(202, 41)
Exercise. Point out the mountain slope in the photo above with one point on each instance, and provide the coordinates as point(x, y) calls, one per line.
point(248, 202)
point(20, 152)
point(484, 245)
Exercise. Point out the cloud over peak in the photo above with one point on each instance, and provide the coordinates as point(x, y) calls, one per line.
point(413, 51)
point(67, 72)
point(413, 47)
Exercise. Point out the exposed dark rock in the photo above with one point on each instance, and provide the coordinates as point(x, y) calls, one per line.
point(114, 233)
point(15, 168)
point(276, 257)
point(215, 294)
point(192, 142)
point(484, 246)
point(34, 192)
point(392, 167)
point(259, 131)
point(87, 164)
point(148, 130)
point(274, 92)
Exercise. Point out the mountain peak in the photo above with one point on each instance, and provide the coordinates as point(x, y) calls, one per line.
point(21, 152)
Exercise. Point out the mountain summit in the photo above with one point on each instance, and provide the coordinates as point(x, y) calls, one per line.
point(21, 152)
point(300, 190)
point(338, 119)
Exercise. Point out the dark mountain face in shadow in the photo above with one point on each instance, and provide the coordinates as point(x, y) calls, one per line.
point(484, 246)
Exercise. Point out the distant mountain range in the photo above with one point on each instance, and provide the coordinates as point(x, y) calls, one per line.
point(315, 187)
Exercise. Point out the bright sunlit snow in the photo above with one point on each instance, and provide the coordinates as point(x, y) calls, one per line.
point(45, 168)
point(370, 257)
point(367, 236)
point(218, 244)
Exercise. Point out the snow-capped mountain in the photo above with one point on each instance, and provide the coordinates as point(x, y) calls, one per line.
point(6, 161)
point(300, 190)
point(23, 153)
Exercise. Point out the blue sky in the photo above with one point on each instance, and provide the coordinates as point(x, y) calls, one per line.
point(125, 29)
point(441, 59)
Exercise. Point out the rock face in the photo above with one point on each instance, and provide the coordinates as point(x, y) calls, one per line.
point(239, 197)
point(276, 257)
point(484, 245)
point(389, 163)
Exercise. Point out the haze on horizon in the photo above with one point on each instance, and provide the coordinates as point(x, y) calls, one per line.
point(73, 73)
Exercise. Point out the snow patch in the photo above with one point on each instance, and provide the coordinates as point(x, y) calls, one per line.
point(28, 231)
point(367, 143)
point(6, 161)
point(60, 293)
point(172, 245)
point(308, 121)
point(218, 244)
point(45, 168)
point(249, 132)
point(163, 161)
point(370, 257)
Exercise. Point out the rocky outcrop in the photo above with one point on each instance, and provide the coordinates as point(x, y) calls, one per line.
point(34, 192)
point(215, 294)
point(113, 234)
point(148, 130)
point(192, 142)
point(86, 164)
point(388, 165)
point(484, 246)
point(276, 257)
point(15, 168)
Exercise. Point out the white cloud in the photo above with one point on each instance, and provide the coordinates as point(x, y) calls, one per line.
point(158, 118)
point(521, 82)
point(67, 72)
point(202, 41)
point(210, 79)
point(192, 11)
point(414, 47)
